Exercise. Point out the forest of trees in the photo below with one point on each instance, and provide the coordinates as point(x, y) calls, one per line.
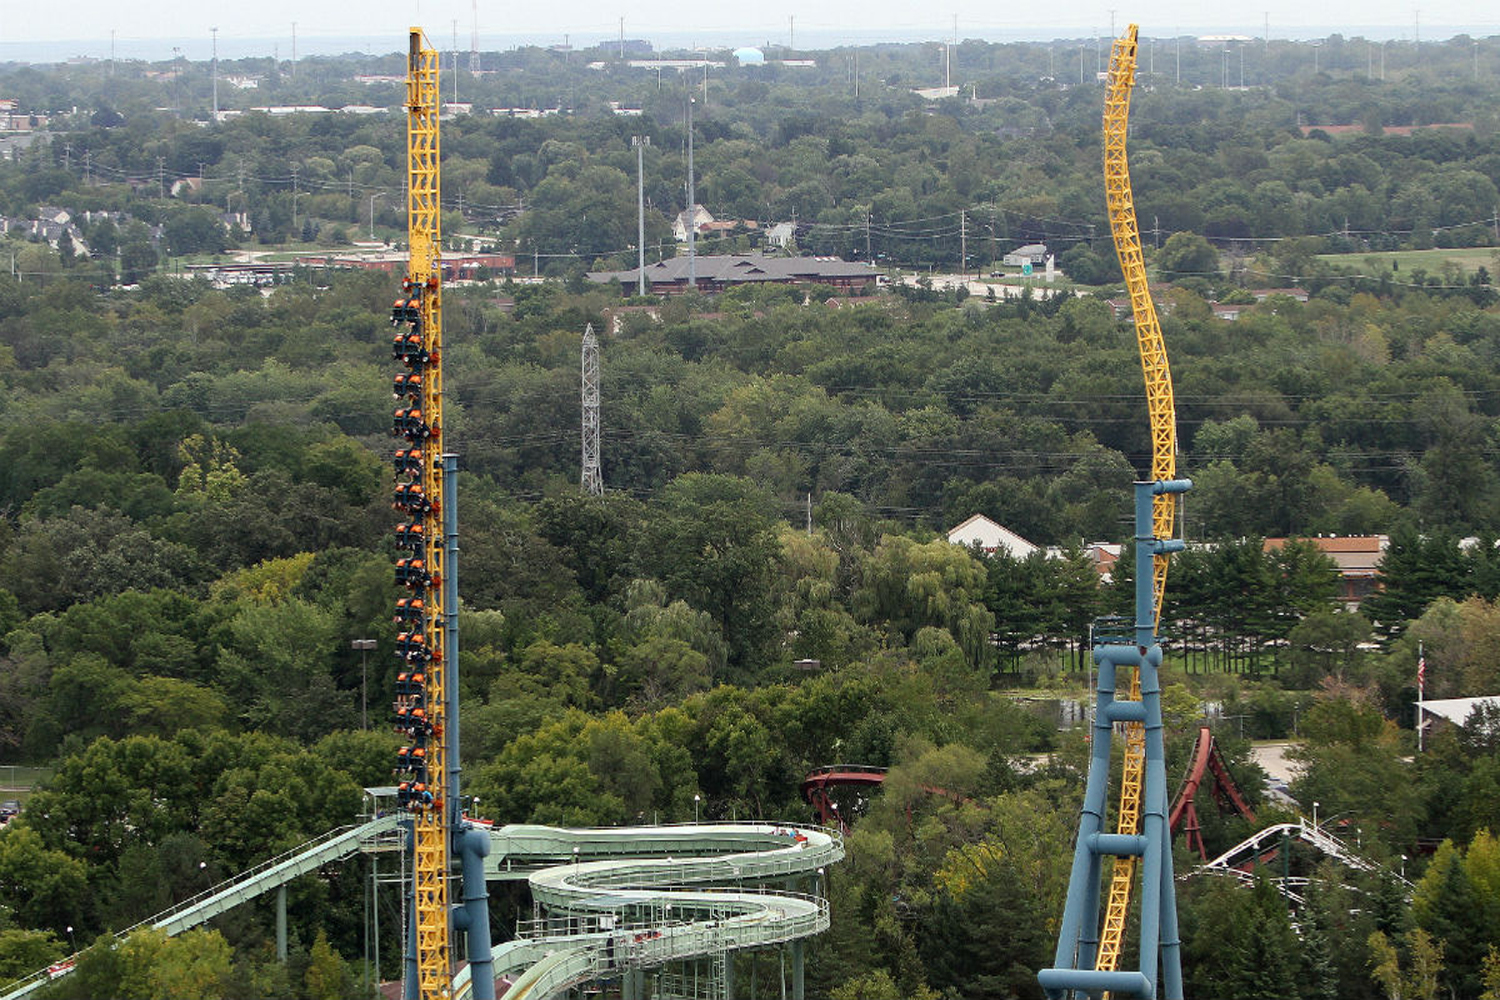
point(195, 494)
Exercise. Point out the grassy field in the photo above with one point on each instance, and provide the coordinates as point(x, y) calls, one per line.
point(1469, 258)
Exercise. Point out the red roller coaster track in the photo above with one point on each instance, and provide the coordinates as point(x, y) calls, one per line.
point(816, 790)
point(818, 786)
point(1206, 761)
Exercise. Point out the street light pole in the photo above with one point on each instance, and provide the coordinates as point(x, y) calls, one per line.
point(696, 799)
point(377, 194)
point(692, 210)
point(364, 646)
point(640, 142)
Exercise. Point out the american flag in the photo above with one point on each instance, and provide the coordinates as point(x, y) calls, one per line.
point(1421, 673)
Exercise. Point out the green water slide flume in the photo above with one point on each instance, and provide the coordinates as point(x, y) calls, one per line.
point(621, 900)
point(614, 901)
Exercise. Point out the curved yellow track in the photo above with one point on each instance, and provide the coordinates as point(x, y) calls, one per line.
point(1162, 411)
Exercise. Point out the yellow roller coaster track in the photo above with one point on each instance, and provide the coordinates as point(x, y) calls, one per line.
point(1163, 415)
point(424, 271)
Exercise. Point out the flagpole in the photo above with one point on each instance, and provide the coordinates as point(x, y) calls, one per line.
point(1421, 683)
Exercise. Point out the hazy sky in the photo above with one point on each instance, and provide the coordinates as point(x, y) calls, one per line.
point(151, 28)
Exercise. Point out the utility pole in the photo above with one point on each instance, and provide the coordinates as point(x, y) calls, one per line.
point(640, 142)
point(216, 73)
point(294, 48)
point(692, 208)
point(592, 479)
point(791, 32)
point(161, 177)
point(622, 38)
point(963, 243)
point(364, 646)
point(295, 168)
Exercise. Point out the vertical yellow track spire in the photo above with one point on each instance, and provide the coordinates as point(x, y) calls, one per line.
point(424, 273)
point(1163, 415)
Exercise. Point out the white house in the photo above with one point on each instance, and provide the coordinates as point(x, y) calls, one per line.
point(991, 537)
point(781, 235)
point(701, 217)
point(1031, 253)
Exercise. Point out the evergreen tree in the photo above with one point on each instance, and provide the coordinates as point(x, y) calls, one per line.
point(1414, 571)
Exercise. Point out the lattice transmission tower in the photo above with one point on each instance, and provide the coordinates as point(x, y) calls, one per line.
point(592, 479)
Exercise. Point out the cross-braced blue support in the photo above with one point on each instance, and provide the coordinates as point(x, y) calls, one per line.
point(1074, 971)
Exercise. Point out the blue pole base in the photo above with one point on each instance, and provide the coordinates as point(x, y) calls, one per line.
point(1057, 982)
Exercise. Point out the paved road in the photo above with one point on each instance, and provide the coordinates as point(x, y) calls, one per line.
point(1272, 758)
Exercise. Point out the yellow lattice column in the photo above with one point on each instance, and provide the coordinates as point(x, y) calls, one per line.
point(424, 282)
point(1161, 410)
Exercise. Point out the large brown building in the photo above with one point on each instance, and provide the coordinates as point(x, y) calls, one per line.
point(1357, 557)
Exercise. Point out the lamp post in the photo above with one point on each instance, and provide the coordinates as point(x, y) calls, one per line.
point(364, 646)
point(1315, 813)
point(377, 194)
point(696, 799)
point(1403, 866)
point(73, 947)
point(640, 142)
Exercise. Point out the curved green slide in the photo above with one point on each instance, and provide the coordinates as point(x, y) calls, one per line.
point(622, 900)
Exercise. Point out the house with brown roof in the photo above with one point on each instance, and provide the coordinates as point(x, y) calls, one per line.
point(1357, 558)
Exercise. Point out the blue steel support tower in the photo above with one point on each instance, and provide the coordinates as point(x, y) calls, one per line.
point(1074, 971)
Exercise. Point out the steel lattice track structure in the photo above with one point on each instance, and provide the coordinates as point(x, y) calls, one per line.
point(1161, 410)
point(1088, 954)
point(421, 708)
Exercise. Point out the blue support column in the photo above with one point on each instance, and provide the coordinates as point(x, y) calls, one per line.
point(450, 634)
point(410, 983)
point(469, 845)
point(1074, 969)
point(281, 923)
point(475, 845)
